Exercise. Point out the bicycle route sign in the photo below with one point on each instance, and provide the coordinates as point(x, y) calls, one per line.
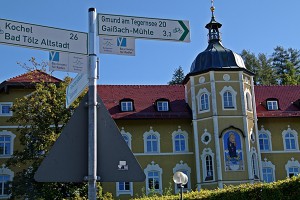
point(147, 28)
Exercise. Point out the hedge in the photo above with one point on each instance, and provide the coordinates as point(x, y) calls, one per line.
point(288, 189)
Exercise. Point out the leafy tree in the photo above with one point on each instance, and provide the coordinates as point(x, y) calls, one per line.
point(178, 76)
point(40, 117)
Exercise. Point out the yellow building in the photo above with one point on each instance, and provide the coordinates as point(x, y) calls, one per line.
point(217, 128)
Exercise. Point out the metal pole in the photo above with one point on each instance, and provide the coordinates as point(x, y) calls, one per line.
point(92, 106)
point(181, 191)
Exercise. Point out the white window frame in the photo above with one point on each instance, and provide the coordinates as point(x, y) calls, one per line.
point(12, 138)
point(122, 192)
point(180, 167)
point(207, 152)
point(233, 93)
point(6, 114)
point(6, 171)
point(201, 92)
point(272, 104)
point(126, 106)
point(146, 134)
point(186, 139)
point(155, 168)
point(268, 133)
point(290, 164)
point(269, 164)
point(128, 135)
point(295, 134)
point(248, 100)
point(162, 106)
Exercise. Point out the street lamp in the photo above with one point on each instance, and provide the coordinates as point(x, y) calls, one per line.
point(181, 179)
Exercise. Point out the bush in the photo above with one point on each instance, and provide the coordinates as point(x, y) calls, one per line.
point(288, 189)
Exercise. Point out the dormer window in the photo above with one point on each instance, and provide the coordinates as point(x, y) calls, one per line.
point(126, 105)
point(162, 105)
point(272, 104)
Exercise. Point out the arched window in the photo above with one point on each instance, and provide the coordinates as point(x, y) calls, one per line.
point(290, 139)
point(248, 100)
point(254, 163)
point(203, 100)
point(6, 175)
point(184, 168)
point(264, 142)
point(292, 168)
point(207, 158)
point(228, 97)
point(268, 170)
point(264, 139)
point(6, 143)
point(228, 100)
point(151, 141)
point(153, 178)
point(180, 140)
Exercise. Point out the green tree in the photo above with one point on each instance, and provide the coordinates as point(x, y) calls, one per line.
point(251, 63)
point(40, 117)
point(290, 78)
point(178, 76)
point(265, 73)
point(286, 62)
point(261, 66)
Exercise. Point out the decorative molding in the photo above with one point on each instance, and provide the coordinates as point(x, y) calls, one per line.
point(186, 139)
point(156, 134)
point(206, 137)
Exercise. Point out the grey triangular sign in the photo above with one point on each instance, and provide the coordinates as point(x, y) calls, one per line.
point(67, 160)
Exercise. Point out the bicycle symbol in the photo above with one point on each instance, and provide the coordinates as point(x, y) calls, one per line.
point(176, 30)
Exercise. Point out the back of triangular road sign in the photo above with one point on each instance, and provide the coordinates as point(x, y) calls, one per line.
point(67, 160)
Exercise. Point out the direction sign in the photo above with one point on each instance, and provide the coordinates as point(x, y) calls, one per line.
point(68, 158)
point(76, 87)
point(68, 62)
point(42, 37)
point(117, 45)
point(139, 27)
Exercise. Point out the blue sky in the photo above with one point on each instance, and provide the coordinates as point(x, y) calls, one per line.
point(255, 25)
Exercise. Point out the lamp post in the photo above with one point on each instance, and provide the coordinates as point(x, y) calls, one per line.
point(181, 179)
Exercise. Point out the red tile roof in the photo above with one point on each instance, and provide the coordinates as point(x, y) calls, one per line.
point(144, 97)
point(27, 80)
point(33, 76)
point(286, 96)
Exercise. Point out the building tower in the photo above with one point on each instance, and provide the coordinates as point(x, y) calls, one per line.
point(220, 91)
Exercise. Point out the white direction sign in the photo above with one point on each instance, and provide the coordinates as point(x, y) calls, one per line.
point(76, 87)
point(68, 62)
point(139, 27)
point(42, 37)
point(117, 45)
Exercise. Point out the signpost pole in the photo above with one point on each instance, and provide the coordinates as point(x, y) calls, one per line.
point(92, 107)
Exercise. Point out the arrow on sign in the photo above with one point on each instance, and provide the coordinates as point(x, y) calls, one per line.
point(186, 31)
point(141, 27)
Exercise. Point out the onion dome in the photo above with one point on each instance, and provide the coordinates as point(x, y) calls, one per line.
point(216, 56)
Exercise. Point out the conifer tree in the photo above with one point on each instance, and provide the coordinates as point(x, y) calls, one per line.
point(178, 76)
